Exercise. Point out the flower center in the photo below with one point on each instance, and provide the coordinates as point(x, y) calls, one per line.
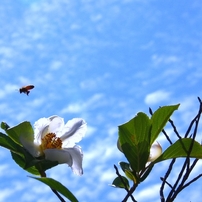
point(50, 141)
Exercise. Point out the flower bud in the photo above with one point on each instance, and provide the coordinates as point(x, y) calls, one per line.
point(155, 152)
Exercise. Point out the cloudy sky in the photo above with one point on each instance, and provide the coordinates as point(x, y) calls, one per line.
point(104, 61)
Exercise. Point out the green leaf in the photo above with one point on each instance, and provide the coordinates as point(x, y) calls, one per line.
point(127, 170)
point(17, 152)
point(136, 155)
point(42, 164)
point(124, 166)
point(58, 187)
point(136, 130)
point(131, 176)
point(23, 128)
point(32, 164)
point(134, 138)
point(4, 126)
point(20, 160)
point(159, 120)
point(180, 148)
point(8, 143)
point(119, 184)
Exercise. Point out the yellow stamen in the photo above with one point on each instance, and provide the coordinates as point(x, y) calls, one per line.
point(50, 141)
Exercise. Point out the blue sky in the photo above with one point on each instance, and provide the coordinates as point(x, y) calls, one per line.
point(103, 61)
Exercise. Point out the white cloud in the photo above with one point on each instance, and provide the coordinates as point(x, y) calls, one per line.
point(149, 193)
point(101, 150)
point(3, 169)
point(157, 97)
point(187, 103)
point(113, 131)
point(108, 176)
point(95, 83)
point(2, 94)
point(93, 102)
point(55, 65)
point(188, 109)
point(24, 81)
point(72, 108)
point(90, 131)
point(116, 194)
point(8, 88)
point(160, 60)
point(86, 192)
point(6, 193)
point(6, 52)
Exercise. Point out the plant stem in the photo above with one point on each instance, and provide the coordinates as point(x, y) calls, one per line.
point(43, 174)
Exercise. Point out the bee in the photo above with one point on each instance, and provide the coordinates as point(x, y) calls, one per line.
point(26, 89)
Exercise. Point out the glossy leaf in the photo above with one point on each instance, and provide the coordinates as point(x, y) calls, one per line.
point(4, 126)
point(8, 143)
point(127, 170)
point(159, 120)
point(17, 152)
point(119, 184)
point(180, 149)
point(130, 176)
point(42, 164)
point(32, 164)
point(136, 130)
point(23, 128)
point(20, 160)
point(134, 138)
point(136, 155)
point(58, 187)
point(124, 166)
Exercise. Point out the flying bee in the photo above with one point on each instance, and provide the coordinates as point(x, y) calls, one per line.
point(26, 89)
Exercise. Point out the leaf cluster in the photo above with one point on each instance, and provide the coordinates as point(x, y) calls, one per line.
point(135, 140)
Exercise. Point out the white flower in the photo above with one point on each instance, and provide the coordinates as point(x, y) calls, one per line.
point(56, 141)
point(155, 152)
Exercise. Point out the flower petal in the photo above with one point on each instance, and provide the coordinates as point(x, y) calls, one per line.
point(59, 155)
point(72, 156)
point(39, 127)
point(77, 157)
point(30, 146)
point(155, 152)
point(52, 117)
point(56, 125)
point(73, 132)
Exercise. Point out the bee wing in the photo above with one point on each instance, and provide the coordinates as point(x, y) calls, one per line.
point(29, 87)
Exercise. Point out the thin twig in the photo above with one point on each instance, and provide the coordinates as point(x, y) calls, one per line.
point(167, 137)
point(187, 161)
point(166, 182)
point(117, 172)
point(125, 186)
point(174, 128)
point(43, 174)
point(191, 181)
point(196, 117)
point(165, 178)
point(175, 191)
point(130, 194)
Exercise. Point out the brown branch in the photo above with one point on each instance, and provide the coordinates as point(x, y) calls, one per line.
point(129, 192)
point(186, 169)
